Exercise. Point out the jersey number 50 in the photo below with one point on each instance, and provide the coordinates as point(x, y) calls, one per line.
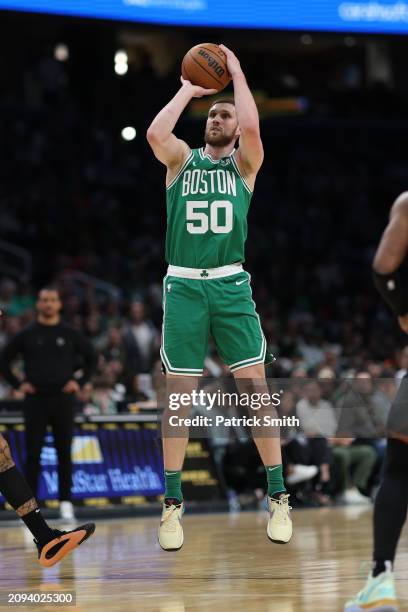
point(201, 222)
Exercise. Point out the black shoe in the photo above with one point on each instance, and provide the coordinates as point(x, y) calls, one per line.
point(63, 542)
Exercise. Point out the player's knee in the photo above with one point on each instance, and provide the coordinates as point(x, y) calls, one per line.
point(253, 372)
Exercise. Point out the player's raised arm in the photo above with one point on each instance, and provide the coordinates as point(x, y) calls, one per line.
point(250, 152)
point(169, 149)
point(390, 254)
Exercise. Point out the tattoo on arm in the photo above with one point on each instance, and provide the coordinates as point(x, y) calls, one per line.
point(29, 506)
point(6, 461)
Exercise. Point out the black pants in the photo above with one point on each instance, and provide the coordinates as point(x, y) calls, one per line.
point(315, 451)
point(59, 412)
point(391, 503)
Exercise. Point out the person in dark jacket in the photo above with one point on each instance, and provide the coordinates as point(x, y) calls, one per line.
point(140, 342)
point(51, 352)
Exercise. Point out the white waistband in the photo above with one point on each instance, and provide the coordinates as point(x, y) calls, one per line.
point(204, 273)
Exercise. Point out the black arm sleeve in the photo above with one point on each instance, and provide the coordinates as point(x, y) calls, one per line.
point(88, 354)
point(8, 354)
point(390, 288)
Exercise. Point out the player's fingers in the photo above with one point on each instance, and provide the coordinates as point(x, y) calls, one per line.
point(209, 92)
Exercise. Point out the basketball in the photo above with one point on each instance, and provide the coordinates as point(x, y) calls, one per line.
point(205, 65)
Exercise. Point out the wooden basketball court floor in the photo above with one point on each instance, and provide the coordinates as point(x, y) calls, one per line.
point(227, 564)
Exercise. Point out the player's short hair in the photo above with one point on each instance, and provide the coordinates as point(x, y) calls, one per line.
point(223, 101)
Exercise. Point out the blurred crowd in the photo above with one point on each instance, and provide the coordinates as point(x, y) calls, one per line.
point(334, 452)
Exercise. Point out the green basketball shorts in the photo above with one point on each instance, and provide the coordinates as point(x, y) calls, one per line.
point(216, 302)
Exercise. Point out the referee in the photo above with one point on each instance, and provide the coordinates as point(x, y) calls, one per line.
point(51, 352)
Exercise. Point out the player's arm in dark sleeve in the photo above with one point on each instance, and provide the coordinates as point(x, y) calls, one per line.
point(85, 349)
point(390, 255)
point(8, 354)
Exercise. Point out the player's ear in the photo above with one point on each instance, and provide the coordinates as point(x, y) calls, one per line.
point(238, 132)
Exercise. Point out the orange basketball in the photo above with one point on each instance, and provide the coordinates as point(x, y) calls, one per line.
point(206, 65)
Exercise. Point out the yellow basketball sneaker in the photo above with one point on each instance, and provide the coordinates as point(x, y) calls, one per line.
point(171, 535)
point(279, 527)
point(378, 595)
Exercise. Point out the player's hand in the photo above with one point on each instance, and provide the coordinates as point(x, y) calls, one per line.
point(196, 90)
point(403, 323)
point(26, 388)
point(233, 65)
point(71, 387)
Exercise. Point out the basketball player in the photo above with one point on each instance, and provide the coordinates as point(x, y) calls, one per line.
point(390, 509)
point(52, 544)
point(206, 289)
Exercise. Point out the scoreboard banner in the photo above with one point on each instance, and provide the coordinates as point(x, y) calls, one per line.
point(381, 16)
point(116, 462)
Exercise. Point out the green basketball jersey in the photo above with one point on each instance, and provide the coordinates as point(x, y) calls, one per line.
point(207, 207)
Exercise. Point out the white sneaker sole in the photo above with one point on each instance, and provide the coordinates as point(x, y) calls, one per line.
point(170, 549)
point(278, 541)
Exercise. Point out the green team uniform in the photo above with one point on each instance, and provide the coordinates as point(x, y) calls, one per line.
point(206, 291)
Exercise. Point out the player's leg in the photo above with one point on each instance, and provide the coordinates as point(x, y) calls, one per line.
point(52, 545)
point(391, 503)
point(184, 345)
point(390, 513)
point(35, 421)
point(62, 420)
point(251, 380)
point(241, 344)
point(175, 436)
point(175, 440)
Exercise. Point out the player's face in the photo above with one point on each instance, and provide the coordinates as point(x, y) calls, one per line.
point(222, 126)
point(48, 304)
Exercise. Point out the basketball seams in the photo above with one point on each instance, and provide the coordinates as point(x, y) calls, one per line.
point(219, 54)
point(205, 70)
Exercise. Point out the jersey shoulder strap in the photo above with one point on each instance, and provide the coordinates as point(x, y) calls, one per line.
point(183, 167)
point(238, 171)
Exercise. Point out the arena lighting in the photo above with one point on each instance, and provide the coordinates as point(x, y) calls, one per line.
point(306, 39)
point(128, 133)
point(121, 62)
point(61, 52)
point(121, 57)
point(121, 68)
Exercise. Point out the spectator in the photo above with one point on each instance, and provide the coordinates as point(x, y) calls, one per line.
point(353, 466)
point(113, 349)
point(8, 290)
point(362, 413)
point(295, 456)
point(141, 342)
point(50, 351)
point(402, 364)
point(318, 422)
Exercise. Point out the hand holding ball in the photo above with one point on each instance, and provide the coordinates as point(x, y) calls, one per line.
point(205, 65)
